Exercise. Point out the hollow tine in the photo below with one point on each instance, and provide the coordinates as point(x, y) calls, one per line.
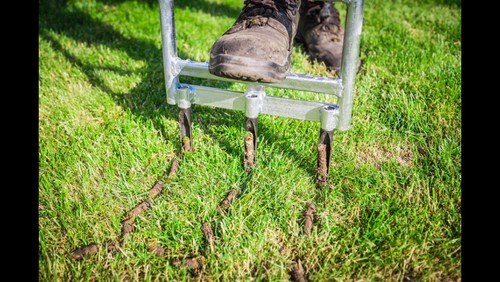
point(250, 143)
point(185, 129)
point(324, 156)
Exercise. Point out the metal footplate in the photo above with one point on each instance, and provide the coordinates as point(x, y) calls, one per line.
point(254, 100)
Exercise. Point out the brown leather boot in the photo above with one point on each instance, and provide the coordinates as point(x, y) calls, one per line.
point(258, 47)
point(320, 33)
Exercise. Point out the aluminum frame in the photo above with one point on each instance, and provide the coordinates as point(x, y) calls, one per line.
point(254, 100)
point(331, 116)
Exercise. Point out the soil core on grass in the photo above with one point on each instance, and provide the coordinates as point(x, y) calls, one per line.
point(193, 263)
point(209, 235)
point(156, 190)
point(85, 251)
point(309, 218)
point(231, 196)
point(173, 169)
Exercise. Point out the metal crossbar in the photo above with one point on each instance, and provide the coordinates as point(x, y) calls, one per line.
point(254, 100)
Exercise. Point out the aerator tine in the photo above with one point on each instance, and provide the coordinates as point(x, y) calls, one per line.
point(328, 123)
point(253, 104)
point(254, 101)
point(184, 104)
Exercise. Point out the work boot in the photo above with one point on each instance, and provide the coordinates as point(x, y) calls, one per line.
point(258, 46)
point(320, 33)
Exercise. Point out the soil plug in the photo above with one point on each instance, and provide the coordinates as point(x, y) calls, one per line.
point(85, 251)
point(298, 273)
point(195, 263)
point(112, 247)
point(156, 249)
point(137, 210)
point(209, 235)
point(309, 218)
point(231, 196)
point(173, 169)
point(156, 190)
point(249, 151)
point(186, 144)
point(127, 227)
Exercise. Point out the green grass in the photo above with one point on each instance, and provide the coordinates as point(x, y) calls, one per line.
point(391, 210)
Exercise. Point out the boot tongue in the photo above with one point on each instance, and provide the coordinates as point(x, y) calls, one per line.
point(325, 11)
point(325, 20)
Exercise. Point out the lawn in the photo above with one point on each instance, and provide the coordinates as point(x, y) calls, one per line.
point(390, 211)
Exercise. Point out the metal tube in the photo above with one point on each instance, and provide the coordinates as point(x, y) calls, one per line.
point(350, 60)
point(183, 98)
point(253, 105)
point(276, 106)
point(304, 82)
point(169, 48)
point(329, 117)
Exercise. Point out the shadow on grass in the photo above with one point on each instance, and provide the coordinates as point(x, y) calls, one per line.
point(451, 3)
point(215, 9)
point(147, 100)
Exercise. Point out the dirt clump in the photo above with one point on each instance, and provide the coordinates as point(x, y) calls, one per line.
point(309, 218)
point(193, 263)
point(231, 196)
point(173, 169)
point(297, 272)
point(156, 249)
point(209, 235)
point(127, 227)
point(85, 251)
point(128, 222)
point(156, 190)
point(138, 209)
point(112, 247)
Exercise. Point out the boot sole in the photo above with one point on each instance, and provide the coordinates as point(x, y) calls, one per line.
point(247, 69)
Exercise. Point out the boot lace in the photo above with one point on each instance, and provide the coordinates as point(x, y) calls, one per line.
point(281, 10)
point(326, 18)
point(269, 6)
